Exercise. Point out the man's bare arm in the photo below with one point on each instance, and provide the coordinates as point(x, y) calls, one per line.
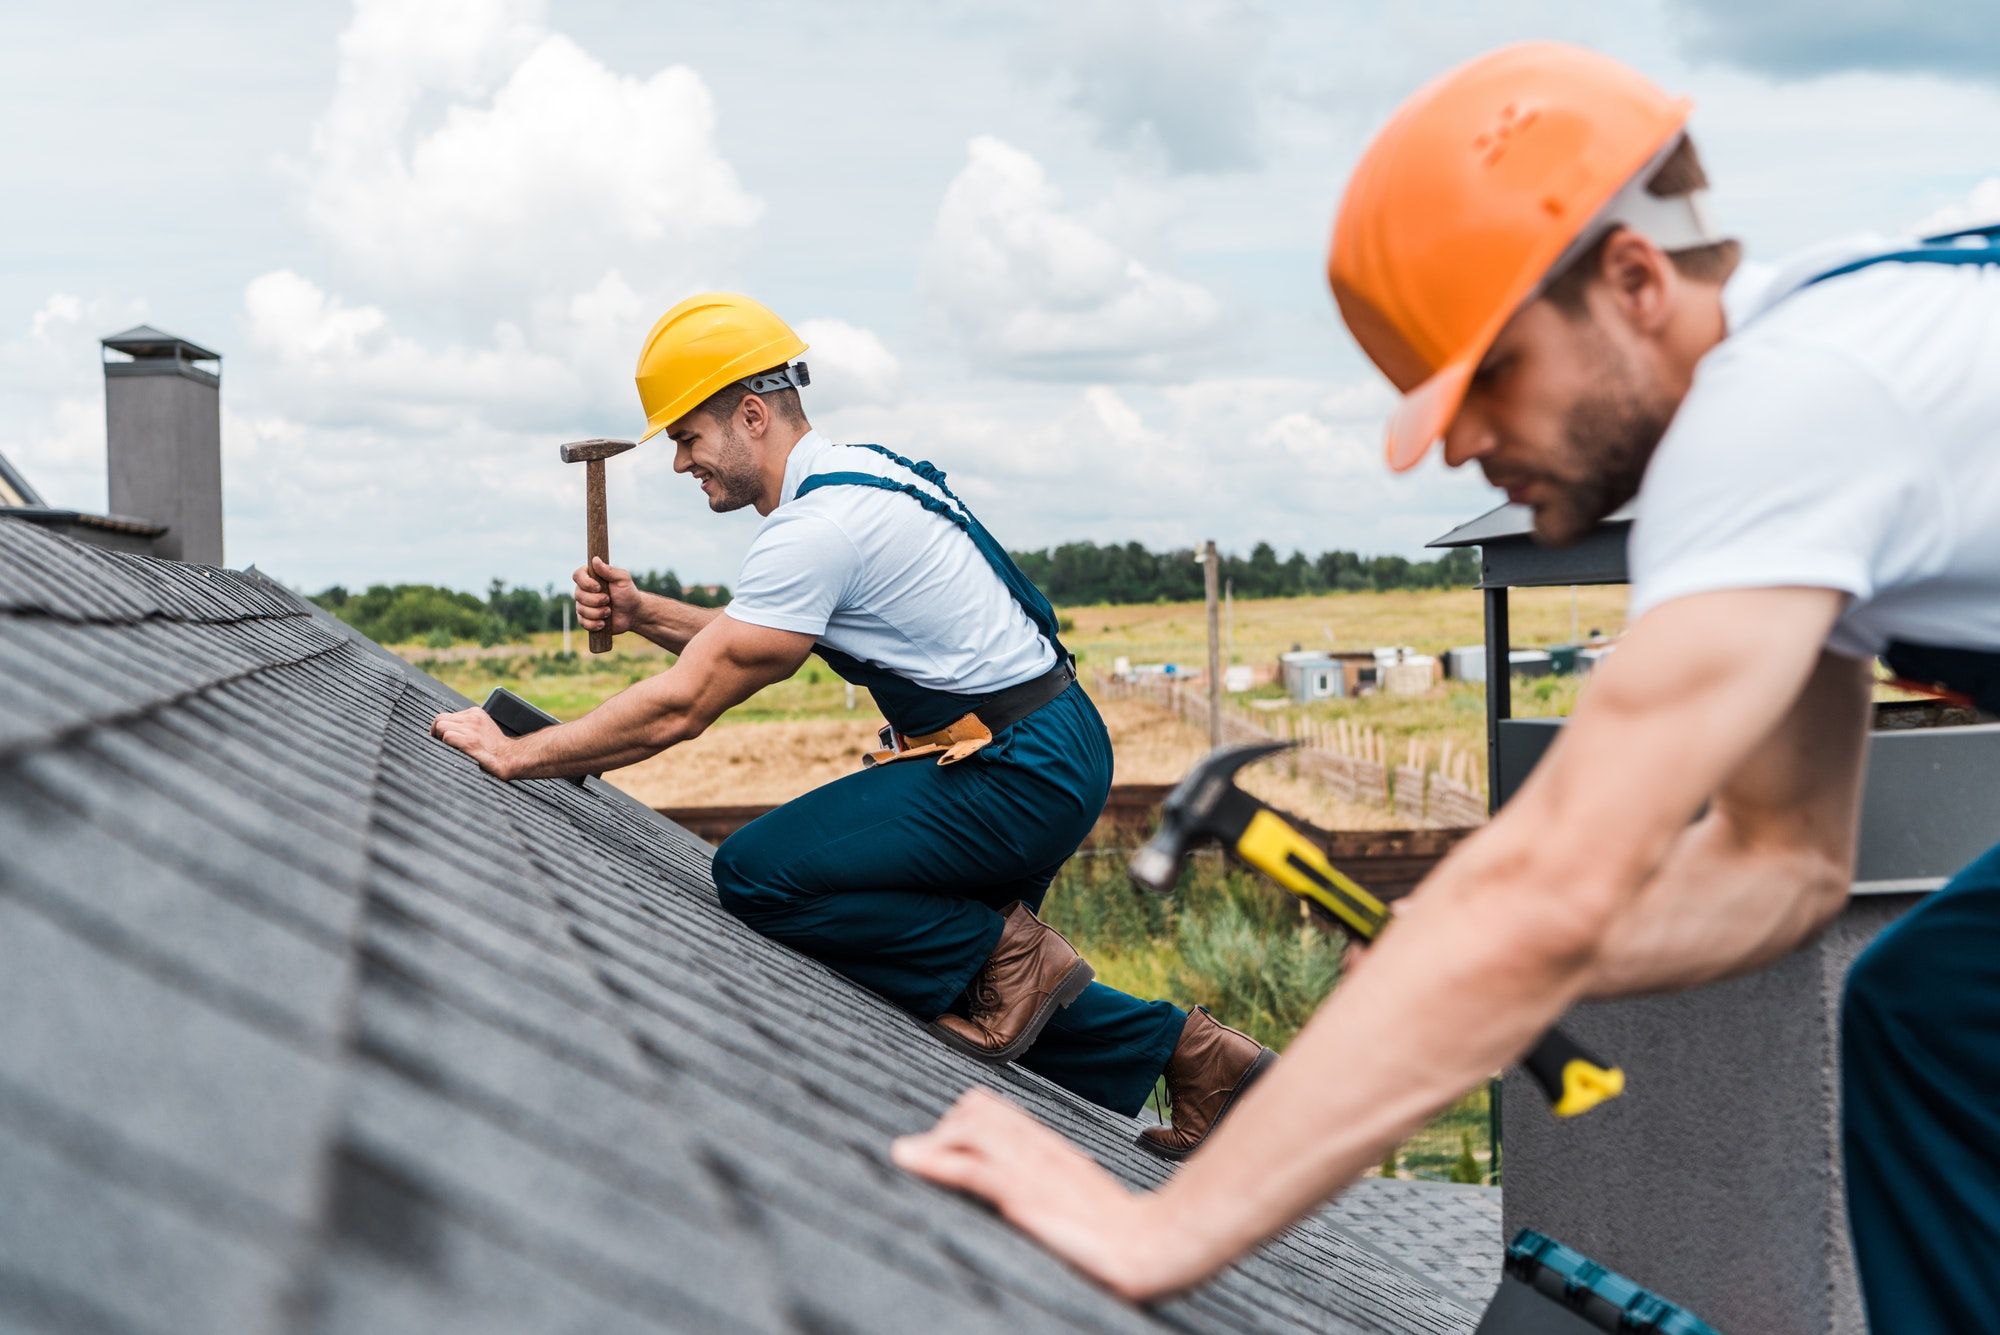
point(607, 597)
point(670, 623)
point(1771, 861)
point(723, 665)
point(1505, 934)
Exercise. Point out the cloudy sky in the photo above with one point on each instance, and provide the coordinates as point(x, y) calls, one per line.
point(1070, 251)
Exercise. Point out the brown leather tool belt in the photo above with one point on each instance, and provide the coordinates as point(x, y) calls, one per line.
point(965, 735)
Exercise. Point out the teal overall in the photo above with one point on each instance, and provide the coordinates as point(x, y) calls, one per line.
point(895, 876)
point(1920, 1044)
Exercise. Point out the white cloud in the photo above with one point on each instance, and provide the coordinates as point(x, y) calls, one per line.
point(1036, 290)
point(849, 365)
point(1177, 82)
point(1981, 206)
point(540, 163)
point(1293, 461)
point(52, 400)
point(333, 362)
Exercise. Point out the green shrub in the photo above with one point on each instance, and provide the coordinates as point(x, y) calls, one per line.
point(1266, 983)
point(1467, 1168)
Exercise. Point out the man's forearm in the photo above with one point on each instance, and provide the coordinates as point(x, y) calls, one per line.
point(670, 623)
point(1467, 979)
point(638, 722)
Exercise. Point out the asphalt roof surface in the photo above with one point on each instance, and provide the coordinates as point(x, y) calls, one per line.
point(308, 1024)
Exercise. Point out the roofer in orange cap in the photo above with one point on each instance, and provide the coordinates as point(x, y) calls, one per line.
point(1815, 448)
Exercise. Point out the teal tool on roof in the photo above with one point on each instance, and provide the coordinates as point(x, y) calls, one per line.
point(1550, 1289)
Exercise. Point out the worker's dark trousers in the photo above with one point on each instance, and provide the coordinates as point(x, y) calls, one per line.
point(1920, 1091)
point(894, 876)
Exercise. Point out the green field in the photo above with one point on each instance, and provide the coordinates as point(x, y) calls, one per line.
point(1428, 621)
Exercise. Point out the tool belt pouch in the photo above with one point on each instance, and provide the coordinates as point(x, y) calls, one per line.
point(954, 744)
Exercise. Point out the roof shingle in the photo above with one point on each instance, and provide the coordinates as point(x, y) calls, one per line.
point(306, 1023)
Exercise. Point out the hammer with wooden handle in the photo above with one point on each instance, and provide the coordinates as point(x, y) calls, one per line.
point(593, 453)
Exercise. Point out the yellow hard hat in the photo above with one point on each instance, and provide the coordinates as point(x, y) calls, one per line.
point(710, 341)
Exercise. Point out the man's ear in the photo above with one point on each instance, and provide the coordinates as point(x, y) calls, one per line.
point(1638, 278)
point(756, 414)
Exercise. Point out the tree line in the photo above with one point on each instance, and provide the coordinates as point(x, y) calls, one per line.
point(1073, 574)
point(406, 613)
point(1078, 573)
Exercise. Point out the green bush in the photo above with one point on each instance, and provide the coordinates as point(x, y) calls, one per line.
point(1225, 940)
point(1266, 983)
point(1231, 941)
point(1467, 1168)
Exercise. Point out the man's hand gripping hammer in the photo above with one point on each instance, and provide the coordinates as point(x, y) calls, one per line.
point(597, 529)
point(1208, 806)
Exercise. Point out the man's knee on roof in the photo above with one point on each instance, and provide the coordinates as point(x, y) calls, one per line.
point(743, 880)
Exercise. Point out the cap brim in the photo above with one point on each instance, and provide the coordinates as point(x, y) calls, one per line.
point(1420, 420)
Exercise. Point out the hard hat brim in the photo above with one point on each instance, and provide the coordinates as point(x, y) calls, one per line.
point(1421, 418)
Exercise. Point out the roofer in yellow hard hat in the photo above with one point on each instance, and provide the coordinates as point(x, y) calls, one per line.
point(920, 875)
point(1525, 252)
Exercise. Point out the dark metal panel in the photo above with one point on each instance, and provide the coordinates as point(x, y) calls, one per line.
point(1518, 745)
point(1499, 686)
point(1599, 558)
point(1930, 805)
point(1514, 521)
point(1518, 1310)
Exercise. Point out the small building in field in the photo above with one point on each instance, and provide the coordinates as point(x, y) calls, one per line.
point(1310, 675)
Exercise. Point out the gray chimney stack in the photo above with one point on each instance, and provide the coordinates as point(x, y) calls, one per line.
point(163, 436)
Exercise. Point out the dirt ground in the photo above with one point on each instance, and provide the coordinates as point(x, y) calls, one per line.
point(770, 762)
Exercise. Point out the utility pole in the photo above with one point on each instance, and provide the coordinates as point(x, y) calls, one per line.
point(565, 608)
point(1229, 620)
point(1210, 578)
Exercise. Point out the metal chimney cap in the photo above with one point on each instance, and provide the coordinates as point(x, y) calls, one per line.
point(146, 343)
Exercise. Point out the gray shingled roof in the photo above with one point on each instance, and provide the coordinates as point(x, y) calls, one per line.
point(307, 1024)
point(1444, 1233)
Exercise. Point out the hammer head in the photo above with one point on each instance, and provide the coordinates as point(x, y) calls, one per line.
point(586, 451)
point(1187, 817)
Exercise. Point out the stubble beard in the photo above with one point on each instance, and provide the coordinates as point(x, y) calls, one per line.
point(733, 475)
point(1609, 437)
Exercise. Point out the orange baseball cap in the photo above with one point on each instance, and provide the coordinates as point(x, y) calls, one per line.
point(1466, 201)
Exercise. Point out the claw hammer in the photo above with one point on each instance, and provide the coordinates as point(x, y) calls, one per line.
point(592, 454)
point(1208, 806)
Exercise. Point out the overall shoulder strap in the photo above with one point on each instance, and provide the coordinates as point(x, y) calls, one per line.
point(1032, 600)
point(1973, 245)
point(876, 480)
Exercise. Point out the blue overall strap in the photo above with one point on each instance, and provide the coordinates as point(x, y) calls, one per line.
point(1945, 248)
point(1031, 599)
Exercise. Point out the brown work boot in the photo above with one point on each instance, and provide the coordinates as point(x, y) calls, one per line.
point(1211, 1065)
point(1031, 972)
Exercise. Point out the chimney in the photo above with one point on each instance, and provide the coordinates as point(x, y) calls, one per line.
point(163, 437)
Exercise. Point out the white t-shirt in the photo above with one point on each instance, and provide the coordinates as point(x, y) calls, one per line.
point(1844, 436)
point(875, 575)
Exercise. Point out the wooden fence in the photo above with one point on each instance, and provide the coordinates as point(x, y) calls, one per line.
point(1428, 790)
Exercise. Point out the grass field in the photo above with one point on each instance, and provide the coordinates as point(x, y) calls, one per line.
point(807, 734)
